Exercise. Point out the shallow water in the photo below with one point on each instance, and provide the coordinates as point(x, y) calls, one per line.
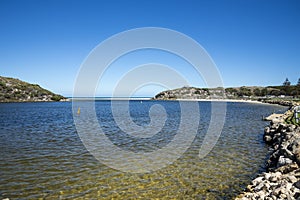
point(43, 157)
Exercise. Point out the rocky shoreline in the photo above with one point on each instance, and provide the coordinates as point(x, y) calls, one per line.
point(282, 178)
point(279, 102)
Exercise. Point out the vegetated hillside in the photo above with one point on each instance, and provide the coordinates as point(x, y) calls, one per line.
point(191, 93)
point(290, 91)
point(244, 92)
point(14, 90)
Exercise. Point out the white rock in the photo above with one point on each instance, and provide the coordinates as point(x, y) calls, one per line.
point(276, 192)
point(283, 196)
point(283, 161)
point(267, 176)
point(261, 194)
point(289, 186)
point(257, 181)
point(259, 187)
point(292, 179)
point(275, 176)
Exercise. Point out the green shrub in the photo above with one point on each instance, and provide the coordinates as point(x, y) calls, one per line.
point(2, 84)
point(56, 98)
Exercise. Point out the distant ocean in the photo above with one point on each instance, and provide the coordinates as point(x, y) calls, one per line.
point(42, 155)
point(109, 98)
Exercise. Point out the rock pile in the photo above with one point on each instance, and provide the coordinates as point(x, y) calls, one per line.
point(281, 102)
point(282, 179)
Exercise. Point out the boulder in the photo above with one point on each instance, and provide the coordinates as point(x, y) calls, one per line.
point(267, 130)
point(283, 161)
point(268, 139)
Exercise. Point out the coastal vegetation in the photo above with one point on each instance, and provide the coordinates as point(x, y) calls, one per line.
point(283, 92)
point(292, 91)
point(293, 118)
point(15, 90)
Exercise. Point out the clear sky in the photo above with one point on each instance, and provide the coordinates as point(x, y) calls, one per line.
point(252, 42)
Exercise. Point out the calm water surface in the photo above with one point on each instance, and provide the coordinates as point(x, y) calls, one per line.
point(42, 157)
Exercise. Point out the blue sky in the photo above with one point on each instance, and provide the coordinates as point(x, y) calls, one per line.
point(252, 42)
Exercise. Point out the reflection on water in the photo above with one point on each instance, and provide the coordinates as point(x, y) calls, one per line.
point(42, 156)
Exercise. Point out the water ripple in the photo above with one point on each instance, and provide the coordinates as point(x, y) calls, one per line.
point(42, 156)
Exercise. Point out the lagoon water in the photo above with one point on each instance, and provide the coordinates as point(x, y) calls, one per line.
point(42, 156)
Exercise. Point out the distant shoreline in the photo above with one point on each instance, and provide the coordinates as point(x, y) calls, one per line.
point(223, 100)
point(70, 99)
point(151, 99)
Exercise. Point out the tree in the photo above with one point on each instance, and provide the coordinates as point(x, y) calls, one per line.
point(298, 82)
point(244, 91)
point(275, 92)
point(257, 92)
point(264, 92)
point(286, 82)
point(231, 90)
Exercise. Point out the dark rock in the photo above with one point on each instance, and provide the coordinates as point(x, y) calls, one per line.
point(288, 168)
point(281, 127)
point(297, 184)
point(297, 155)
